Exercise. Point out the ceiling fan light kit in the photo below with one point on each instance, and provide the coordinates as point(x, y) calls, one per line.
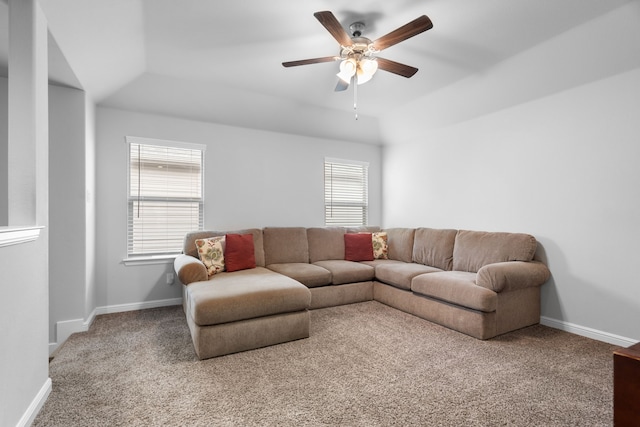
point(357, 59)
point(358, 55)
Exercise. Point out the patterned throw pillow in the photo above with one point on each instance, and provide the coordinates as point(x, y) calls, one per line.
point(211, 253)
point(380, 248)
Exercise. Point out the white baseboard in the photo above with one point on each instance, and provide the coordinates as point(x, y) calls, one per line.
point(36, 404)
point(587, 332)
point(65, 328)
point(138, 306)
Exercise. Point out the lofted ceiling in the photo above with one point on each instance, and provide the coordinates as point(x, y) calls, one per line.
point(220, 61)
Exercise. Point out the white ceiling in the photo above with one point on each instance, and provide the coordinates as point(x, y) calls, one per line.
point(221, 60)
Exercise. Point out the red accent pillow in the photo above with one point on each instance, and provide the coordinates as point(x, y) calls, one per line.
point(358, 247)
point(239, 252)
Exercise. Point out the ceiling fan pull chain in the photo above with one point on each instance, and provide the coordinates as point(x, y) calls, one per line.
point(355, 95)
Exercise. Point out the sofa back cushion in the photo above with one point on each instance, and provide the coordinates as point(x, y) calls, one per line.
point(285, 245)
point(400, 243)
point(325, 243)
point(189, 245)
point(475, 249)
point(434, 247)
point(362, 229)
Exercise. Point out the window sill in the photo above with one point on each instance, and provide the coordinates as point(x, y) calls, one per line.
point(150, 259)
point(11, 235)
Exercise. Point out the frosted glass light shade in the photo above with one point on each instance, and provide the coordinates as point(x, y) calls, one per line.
point(347, 70)
point(366, 69)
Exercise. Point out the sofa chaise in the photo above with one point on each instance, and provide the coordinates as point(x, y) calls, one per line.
point(479, 283)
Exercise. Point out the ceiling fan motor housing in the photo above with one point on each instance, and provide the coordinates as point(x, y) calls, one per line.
point(361, 47)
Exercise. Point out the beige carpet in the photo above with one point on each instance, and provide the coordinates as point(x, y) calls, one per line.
point(364, 365)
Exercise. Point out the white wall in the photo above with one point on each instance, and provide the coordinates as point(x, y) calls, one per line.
point(563, 167)
point(252, 179)
point(90, 207)
point(4, 153)
point(67, 213)
point(23, 335)
point(24, 382)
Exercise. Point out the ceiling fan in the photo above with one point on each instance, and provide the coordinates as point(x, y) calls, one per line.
point(359, 54)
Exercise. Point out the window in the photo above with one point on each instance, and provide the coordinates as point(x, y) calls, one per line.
point(165, 195)
point(346, 201)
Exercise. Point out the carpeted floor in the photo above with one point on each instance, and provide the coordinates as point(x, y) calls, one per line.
point(364, 365)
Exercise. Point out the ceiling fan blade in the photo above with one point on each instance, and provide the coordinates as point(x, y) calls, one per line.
point(396, 67)
point(329, 21)
point(415, 27)
point(342, 85)
point(310, 61)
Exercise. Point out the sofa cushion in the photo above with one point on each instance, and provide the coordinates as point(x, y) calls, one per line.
point(211, 253)
point(325, 243)
point(309, 275)
point(377, 262)
point(347, 271)
point(189, 245)
point(400, 274)
point(246, 294)
point(434, 247)
point(239, 253)
point(285, 245)
point(400, 243)
point(362, 229)
point(457, 287)
point(475, 249)
point(358, 247)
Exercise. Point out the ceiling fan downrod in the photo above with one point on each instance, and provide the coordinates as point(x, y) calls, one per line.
point(356, 28)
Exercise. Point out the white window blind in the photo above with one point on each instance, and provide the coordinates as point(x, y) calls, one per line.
point(165, 195)
point(346, 192)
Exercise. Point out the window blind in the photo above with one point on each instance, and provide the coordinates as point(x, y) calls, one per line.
point(165, 195)
point(346, 188)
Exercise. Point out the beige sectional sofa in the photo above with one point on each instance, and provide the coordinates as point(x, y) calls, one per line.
point(480, 283)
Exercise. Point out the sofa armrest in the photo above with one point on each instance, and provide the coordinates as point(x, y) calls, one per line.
point(512, 275)
point(189, 269)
